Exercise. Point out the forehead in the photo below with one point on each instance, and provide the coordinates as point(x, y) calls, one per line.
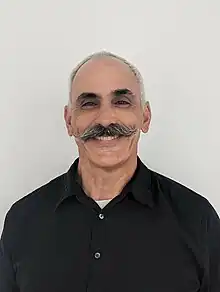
point(104, 75)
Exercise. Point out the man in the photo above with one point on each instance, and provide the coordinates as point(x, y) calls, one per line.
point(110, 223)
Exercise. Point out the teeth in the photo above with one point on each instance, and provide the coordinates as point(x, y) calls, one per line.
point(107, 138)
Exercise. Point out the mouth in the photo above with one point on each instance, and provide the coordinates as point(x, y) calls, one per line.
point(106, 138)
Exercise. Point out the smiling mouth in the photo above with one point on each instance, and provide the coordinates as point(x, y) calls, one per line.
point(106, 138)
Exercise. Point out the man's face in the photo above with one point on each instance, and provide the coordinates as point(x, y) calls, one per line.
point(106, 93)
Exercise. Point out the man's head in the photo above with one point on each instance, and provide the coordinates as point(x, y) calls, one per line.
point(107, 109)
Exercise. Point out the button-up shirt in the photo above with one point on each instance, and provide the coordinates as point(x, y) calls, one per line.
point(155, 236)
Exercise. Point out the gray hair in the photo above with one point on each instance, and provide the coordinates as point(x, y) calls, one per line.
point(108, 54)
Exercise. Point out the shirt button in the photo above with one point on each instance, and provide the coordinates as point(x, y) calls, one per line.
point(101, 216)
point(97, 255)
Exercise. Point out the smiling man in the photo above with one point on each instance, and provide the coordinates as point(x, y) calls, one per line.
point(106, 114)
point(110, 223)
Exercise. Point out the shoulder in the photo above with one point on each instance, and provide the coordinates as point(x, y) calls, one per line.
point(187, 204)
point(37, 202)
point(175, 191)
point(25, 214)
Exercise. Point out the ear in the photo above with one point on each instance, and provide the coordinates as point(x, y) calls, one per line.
point(68, 118)
point(146, 117)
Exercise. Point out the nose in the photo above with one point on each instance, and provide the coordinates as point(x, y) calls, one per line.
point(106, 115)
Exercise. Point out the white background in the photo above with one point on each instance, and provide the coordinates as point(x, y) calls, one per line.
point(176, 46)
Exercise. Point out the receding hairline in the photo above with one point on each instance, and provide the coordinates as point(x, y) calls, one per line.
point(103, 59)
point(103, 55)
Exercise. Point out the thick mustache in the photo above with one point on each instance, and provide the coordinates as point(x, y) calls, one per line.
point(113, 129)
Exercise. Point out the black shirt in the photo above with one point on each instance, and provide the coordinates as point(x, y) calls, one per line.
point(155, 236)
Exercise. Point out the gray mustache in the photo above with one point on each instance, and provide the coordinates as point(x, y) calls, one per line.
point(112, 129)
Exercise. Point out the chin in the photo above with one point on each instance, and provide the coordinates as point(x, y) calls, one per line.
point(109, 160)
point(109, 154)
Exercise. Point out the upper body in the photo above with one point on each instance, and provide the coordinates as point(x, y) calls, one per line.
point(110, 223)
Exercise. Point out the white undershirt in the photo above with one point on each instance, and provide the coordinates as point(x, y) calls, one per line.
point(102, 203)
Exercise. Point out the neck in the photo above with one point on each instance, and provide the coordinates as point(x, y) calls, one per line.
point(103, 184)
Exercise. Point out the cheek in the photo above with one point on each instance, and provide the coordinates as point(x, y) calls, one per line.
point(130, 119)
point(81, 123)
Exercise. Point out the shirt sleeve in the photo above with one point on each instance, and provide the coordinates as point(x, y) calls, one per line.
point(213, 246)
point(7, 273)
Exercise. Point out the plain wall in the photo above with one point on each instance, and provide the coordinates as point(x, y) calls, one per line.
point(176, 46)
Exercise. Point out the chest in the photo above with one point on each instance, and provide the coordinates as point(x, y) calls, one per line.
point(108, 253)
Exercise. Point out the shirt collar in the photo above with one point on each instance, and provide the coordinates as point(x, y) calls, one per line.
point(140, 185)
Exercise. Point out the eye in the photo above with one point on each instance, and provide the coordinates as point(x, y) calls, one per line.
point(122, 103)
point(89, 104)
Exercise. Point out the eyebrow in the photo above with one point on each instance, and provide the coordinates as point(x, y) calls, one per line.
point(123, 91)
point(116, 93)
point(86, 95)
